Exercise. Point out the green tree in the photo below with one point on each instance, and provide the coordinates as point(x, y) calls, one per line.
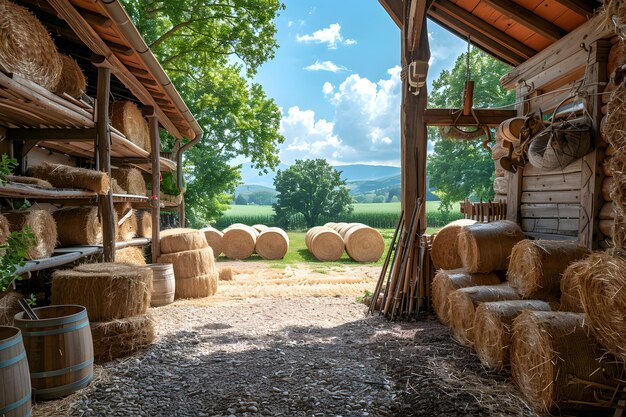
point(313, 188)
point(240, 200)
point(211, 50)
point(462, 168)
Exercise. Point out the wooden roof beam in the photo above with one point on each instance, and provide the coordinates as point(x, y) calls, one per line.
point(417, 14)
point(582, 7)
point(395, 9)
point(447, 117)
point(527, 18)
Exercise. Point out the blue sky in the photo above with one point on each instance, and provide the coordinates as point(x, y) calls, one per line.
point(336, 78)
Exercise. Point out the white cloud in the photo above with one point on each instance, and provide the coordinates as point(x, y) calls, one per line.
point(350, 42)
point(330, 35)
point(326, 66)
point(290, 23)
point(328, 88)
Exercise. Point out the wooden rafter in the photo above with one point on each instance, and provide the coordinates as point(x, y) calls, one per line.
point(416, 16)
point(581, 7)
point(395, 9)
point(527, 18)
point(446, 117)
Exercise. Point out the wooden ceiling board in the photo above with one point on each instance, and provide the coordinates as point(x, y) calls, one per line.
point(550, 10)
point(467, 4)
point(537, 42)
point(570, 20)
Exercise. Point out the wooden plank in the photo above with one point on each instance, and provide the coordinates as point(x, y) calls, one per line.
point(560, 71)
point(51, 134)
point(153, 123)
point(417, 18)
point(557, 211)
point(552, 182)
point(445, 117)
point(551, 226)
point(395, 8)
point(548, 236)
point(575, 166)
point(514, 180)
point(527, 18)
point(584, 8)
point(572, 197)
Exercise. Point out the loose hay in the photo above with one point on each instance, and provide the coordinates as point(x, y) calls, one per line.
point(570, 287)
point(29, 181)
point(115, 187)
point(144, 224)
point(536, 266)
point(214, 239)
point(72, 80)
point(324, 243)
point(493, 326)
point(445, 249)
point(9, 308)
point(445, 282)
point(486, 247)
point(181, 240)
point(127, 118)
point(555, 362)
point(238, 242)
point(126, 228)
point(272, 243)
point(463, 303)
point(5, 231)
point(226, 274)
point(119, 338)
point(364, 244)
point(78, 226)
point(131, 180)
point(43, 227)
point(26, 48)
point(132, 255)
point(109, 291)
point(63, 176)
point(603, 295)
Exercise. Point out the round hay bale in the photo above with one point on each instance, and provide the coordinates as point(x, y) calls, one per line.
point(9, 307)
point(337, 226)
point(570, 287)
point(330, 224)
point(197, 287)
point(214, 239)
point(309, 235)
point(238, 242)
point(131, 255)
point(607, 212)
point(606, 227)
point(326, 244)
point(127, 118)
point(486, 247)
point(556, 363)
point(501, 185)
point(119, 338)
point(536, 266)
point(345, 229)
point(63, 176)
point(144, 224)
point(72, 80)
point(226, 274)
point(78, 226)
point(131, 180)
point(272, 244)
point(181, 240)
point(26, 48)
point(603, 298)
point(463, 303)
point(493, 326)
point(364, 244)
point(29, 181)
point(43, 227)
point(445, 282)
point(5, 231)
point(126, 225)
point(191, 263)
point(607, 184)
point(445, 250)
point(108, 291)
point(260, 228)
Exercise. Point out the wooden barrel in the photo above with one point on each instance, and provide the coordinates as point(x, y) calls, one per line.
point(59, 350)
point(163, 284)
point(15, 386)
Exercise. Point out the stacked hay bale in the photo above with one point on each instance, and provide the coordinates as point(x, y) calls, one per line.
point(272, 243)
point(43, 227)
point(486, 247)
point(72, 81)
point(127, 118)
point(214, 239)
point(194, 266)
point(117, 297)
point(78, 226)
point(362, 243)
point(144, 223)
point(324, 243)
point(239, 241)
point(126, 225)
point(445, 250)
point(133, 255)
point(130, 180)
point(63, 176)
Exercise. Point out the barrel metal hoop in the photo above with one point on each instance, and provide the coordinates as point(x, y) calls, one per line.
point(15, 405)
point(64, 388)
point(53, 322)
point(46, 374)
point(56, 331)
point(13, 361)
point(10, 343)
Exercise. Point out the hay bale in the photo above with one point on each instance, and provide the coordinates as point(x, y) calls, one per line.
point(463, 303)
point(29, 181)
point(272, 244)
point(118, 338)
point(536, 266)
point(144, 224)
point(364, 244)
point(445, 282)
point(63, 176)
point(607, 185)
point(607, 212)
point(115, 187)
point(445, 251)
point(238, 242)
point(127, 222)
point(486, 247)
point(72, 80)
point(570, 287)
point(131, 180)
point(195, 272)
point(324, 243)
point(501, 185)
point(346, 228)
point(606, 227)
point(127, 118)
point(43, 227)
point(109, 291)
point(9, 308)
point(556, 363)
point(131, 255)
point(260, 228)
point(5, 232)
point(26, 48)
point(226, 274)
point(603, 296)
point(329, 224)
point(337, 226)
point(78, 226)
point(493, 326)
point(181, 240)
point(214, 239)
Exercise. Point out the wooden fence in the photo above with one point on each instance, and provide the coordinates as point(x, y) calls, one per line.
point(484, 212)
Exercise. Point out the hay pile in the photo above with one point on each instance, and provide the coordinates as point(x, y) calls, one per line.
point(9, 308)
point(324, 243)
point(556, 363)
point(214, 239)
point(26, 48)
point(63, 176)
point(109, 291)
point(445, 250)
point(226, 274)
point(181, 240)
point(127, 222)
point(72, 80)
point(119, 338)
point(570, 287)
point(239, 241)
point(127, 118)
point(115, 187)
point(131, 180)
point(364, 243)
point(446, 282)
point(5, 232)
point(144, 224)
point(29, 181)
point(493, 326)
point(463, 303)
point(131, 255)
point(43, 227)
point(536, 266)
point(272, 243)
point(78, 226)
point(486, 247)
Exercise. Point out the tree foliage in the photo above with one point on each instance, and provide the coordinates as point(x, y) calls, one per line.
point(459, 168)
point(313, 188)
point(211, 49)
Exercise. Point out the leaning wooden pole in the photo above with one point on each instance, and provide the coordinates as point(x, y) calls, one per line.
point(155, 200)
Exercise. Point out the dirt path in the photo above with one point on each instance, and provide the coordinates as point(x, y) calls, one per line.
point(292, 356)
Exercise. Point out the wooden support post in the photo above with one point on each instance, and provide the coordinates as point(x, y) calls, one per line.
point(514, 195)
point(155, 202)
point(105, 202)
point(181, 213)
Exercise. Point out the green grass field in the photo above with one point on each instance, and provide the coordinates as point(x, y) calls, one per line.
point(235, 210)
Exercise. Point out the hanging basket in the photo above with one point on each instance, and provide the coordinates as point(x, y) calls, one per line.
point(454, 132)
